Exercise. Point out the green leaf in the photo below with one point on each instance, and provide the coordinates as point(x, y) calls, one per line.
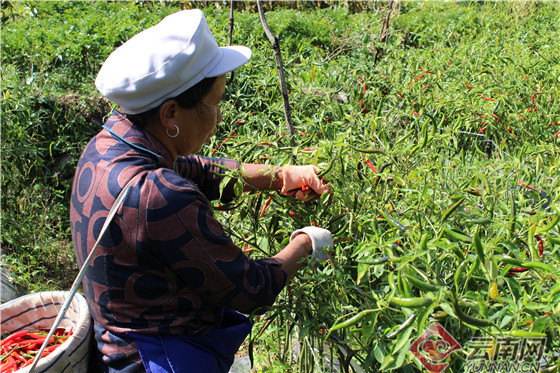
point(506, 320)
point(362, 270)
point(403, 338)
point(448, 308)
point(379, 353)
point(387, 360)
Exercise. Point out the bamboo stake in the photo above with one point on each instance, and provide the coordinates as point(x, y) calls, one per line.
point(231, 35)
point(384, 32)
point(280, 67)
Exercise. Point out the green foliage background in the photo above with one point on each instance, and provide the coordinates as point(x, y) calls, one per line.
point(461, 106)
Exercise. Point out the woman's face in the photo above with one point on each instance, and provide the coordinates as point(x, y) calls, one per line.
point(208, 112)
point(199, 123)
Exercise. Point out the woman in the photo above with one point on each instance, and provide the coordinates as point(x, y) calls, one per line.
point(166, 283)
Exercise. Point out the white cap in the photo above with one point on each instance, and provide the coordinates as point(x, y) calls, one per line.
point(165, 60)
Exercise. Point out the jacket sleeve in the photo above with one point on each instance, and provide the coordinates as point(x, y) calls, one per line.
point(204, 172)
point(184, 232)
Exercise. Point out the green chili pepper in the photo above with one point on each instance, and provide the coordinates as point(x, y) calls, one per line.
point(391, 282)
point(406, 136)
point(424, 242)
point(376, 261)
point(452, 208)
point(550, 225)
point(509, 260)
point(457, 236)
point(552, 240)
point(329, 167)
point(394, 221)
point(481, 221)
point(473, 268)
point(351, 321)
point(477, 243)
point(368, 151)
point(468, 319)
point(458, 252)
point(525, 334)
point(403, 285)
point(412, 302)
point(538, 265)
point(512, 217)
point(459, 273)
point(403, 326)
point(421, 284)
point(553, 291)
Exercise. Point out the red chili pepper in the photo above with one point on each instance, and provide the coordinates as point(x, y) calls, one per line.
point(265, 206)
point(526, 186)
point(557, 134)
point(8, 367)
point(483, 129)
point(246, 248)
point(37, 335)
point(415, 80)
point(13, 337)
point(497, 117)
point(517, 270)
point(17, 356)
point(541, 246)
point(371, 165)
point(487, 98)
point(30, 361)
point(217, 147)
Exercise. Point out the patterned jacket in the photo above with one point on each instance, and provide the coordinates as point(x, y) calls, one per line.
point(165, 265)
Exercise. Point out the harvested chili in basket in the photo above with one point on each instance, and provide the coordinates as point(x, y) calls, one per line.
point(20, 348)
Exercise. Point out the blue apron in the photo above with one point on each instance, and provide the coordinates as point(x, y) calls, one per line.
point(213, 352)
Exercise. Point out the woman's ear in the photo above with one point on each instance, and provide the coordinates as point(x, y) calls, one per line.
point(167, 114)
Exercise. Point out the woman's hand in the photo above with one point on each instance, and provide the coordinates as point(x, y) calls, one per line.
point(302, 182)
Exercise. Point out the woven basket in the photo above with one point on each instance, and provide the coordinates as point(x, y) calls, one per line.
point(38, 311)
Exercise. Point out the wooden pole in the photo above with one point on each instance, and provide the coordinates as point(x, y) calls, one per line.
point(280, 67)
point(231, 76)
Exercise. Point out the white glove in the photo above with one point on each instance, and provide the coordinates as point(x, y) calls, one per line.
point(320, 239)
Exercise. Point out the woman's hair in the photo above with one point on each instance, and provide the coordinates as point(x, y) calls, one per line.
point(188, 99)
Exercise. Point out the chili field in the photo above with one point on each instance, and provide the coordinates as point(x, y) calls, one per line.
point(440, 143)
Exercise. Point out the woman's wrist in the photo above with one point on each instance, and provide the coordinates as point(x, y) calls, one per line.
point(277, 178)
point(262, 177)
point(305, 243)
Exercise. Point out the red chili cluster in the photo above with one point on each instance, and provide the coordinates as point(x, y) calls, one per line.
point(20, 349)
